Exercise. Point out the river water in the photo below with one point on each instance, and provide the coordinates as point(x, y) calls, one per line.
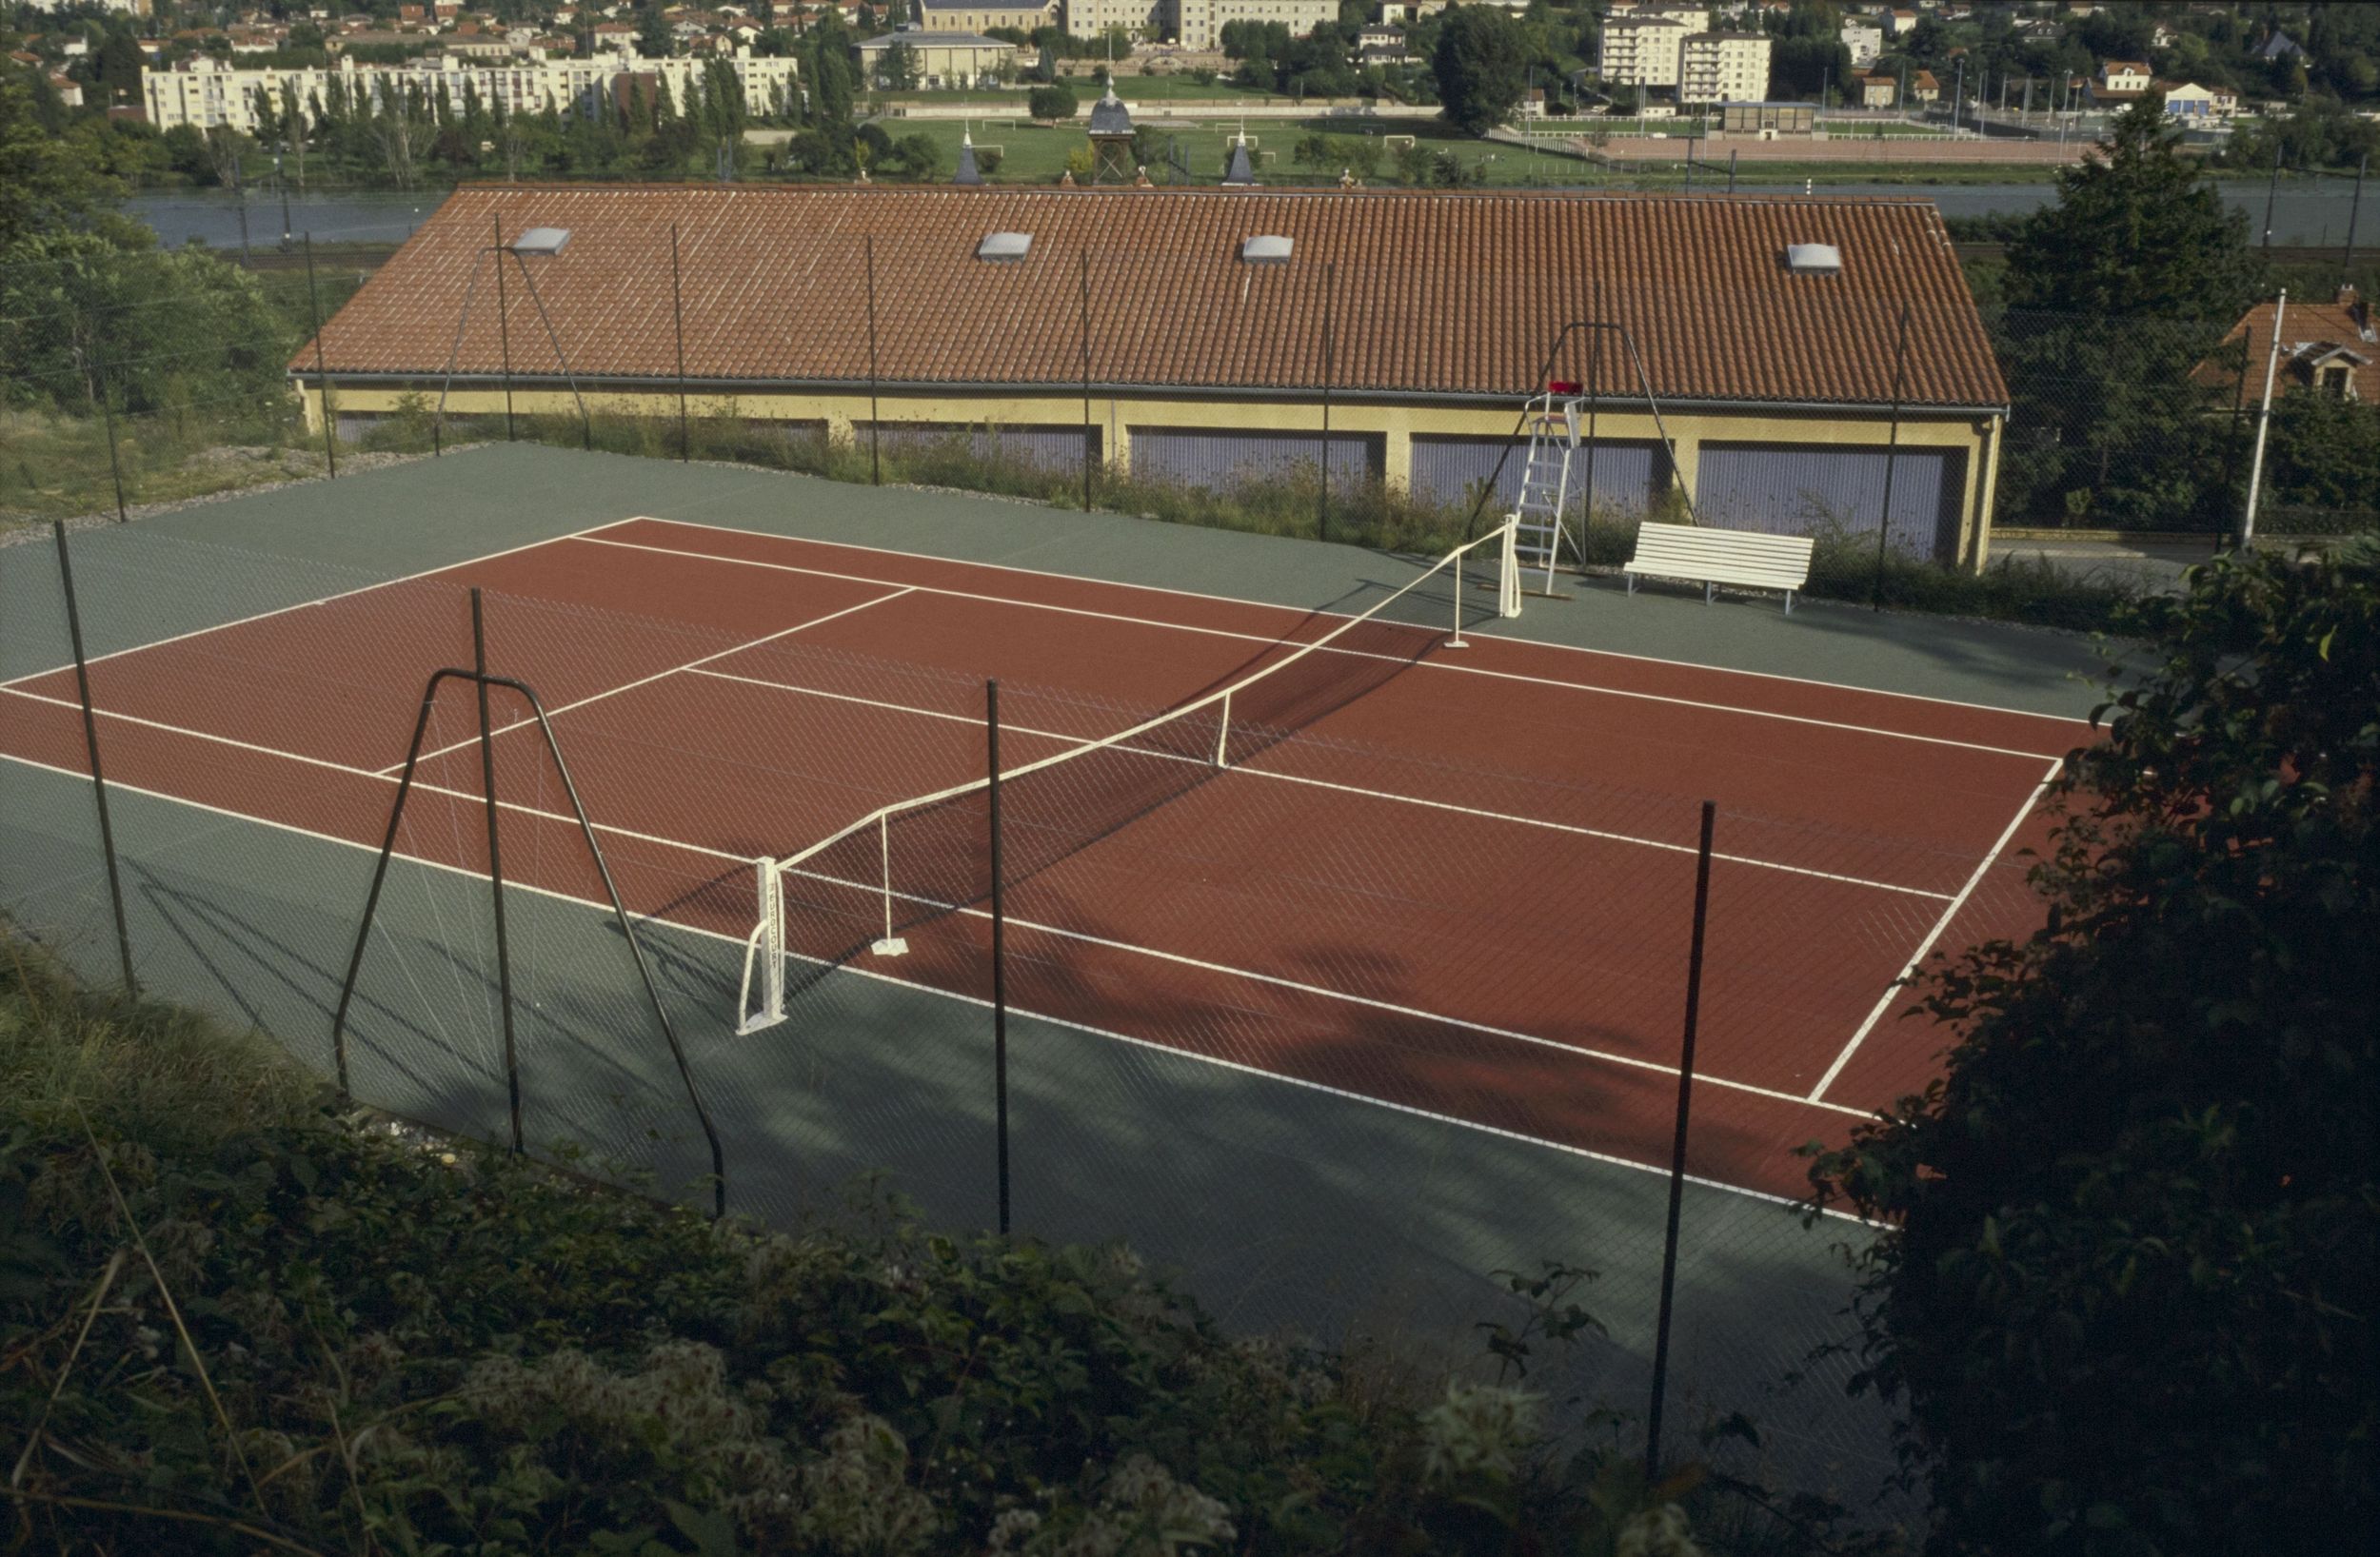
point(2312, 216)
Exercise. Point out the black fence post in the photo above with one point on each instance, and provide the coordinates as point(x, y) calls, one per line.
point(677, 319)
point(1090, 433)
point(1330, 274)
point(503, 321)
point(1892, 456)
point(2271, 194)
point(115, 464)
point(1677, 1150)
point(91, 748)
point(495, 859)
point(1000, 948)
point(2355, 210)
point(322, 363)
point(875, 417)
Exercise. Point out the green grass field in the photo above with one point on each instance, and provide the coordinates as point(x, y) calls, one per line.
point(1033, 154)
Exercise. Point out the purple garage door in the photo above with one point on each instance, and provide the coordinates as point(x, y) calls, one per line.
point(1201, 456)
point(1798, 489)
point(1449, 470)
point(1058, 447)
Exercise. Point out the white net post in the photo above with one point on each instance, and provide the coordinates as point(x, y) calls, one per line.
point(891, 945)
point(1508, 572)
point(769, 946)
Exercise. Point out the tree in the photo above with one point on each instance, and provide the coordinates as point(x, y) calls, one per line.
point(1050, 103)
point(2323, 453)
point(49, 183)
point(2124, 1287)
point(1481, 66)
point(898, 66)
point(118, 70)
point(654, 39)
point(2115, 292)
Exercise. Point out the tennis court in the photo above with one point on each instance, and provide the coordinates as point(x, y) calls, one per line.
point(1451, 881)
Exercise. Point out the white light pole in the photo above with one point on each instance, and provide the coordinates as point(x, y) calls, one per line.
point(2264, 424)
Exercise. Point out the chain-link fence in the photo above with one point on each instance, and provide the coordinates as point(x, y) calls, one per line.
point(150, 379)
point(1331, 1000)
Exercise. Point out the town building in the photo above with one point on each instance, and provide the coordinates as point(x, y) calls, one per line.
point(1661, 53)
point(1146, 19)
point(2192, 102)
point(1199, 24)
point(1865, 40)
point(2327, 348)
point(1769, 360)
point(1878, 90)
point(983, 15)
point(944, 59)
point(1723, 68)
point(1642, 51)
point(207, 95)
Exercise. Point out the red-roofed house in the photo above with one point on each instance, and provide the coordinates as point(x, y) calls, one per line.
point(2328, 348)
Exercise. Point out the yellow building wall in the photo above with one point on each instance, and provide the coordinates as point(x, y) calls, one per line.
point(1116, 416)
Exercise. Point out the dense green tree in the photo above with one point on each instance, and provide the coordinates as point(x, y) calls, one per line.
point(654, 39)
point(2323, 453)
point(1480, 68)
point(2115, 294)
point(49, 183)
point(118, 69)
point(1051, 103)
point(896, 68)
point(2131, 1242)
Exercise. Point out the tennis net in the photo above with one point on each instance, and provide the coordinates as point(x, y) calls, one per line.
point(863, 890)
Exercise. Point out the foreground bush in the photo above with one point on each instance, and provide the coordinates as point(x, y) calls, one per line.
point(231, 1320)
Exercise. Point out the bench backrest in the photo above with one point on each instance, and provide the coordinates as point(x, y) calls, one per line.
point(1747, 558)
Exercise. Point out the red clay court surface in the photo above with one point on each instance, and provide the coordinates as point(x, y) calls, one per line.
point(1464, 892)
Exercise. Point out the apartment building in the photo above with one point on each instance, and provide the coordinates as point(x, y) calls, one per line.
point(1199, 24)
point(205, 93)
point(1643, 50)
point(1097, 18)
point(1865, 40)
point(1723, 68)
point(1700, 65)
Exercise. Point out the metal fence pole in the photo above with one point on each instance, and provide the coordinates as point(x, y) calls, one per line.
point(2354, 209)
point(1000, 948)
point(2271, 194)
point(503, 321)
point(875, 420)
point(495, 861)
point(677, 317)
point(322, 365)
point(1322, 517)
point(1677, 1149)
point(115, 462)
point(1089, 429)
point(1892, 456)
point(91, 748)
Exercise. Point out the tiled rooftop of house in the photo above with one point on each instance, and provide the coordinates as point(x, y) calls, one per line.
point(1430, 295)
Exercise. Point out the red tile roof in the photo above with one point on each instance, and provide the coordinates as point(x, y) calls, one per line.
point(1430, 295)
point(2311, 333)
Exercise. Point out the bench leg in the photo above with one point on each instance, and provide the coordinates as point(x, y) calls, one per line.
point(1632, 583)
point(1707, 591)
point(1789, 603)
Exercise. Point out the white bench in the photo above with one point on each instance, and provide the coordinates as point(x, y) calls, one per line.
point(1742, 559)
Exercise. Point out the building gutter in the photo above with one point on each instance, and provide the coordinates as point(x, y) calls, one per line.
point(1073, 388)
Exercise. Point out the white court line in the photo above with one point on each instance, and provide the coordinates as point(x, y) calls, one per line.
point(1083, 742)
point(1276, 605)
point(1359, 654)
point(301, 605)
point(1607, 1056)
point(1926, 946)
point(1152, 1045)
point(659, 675)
